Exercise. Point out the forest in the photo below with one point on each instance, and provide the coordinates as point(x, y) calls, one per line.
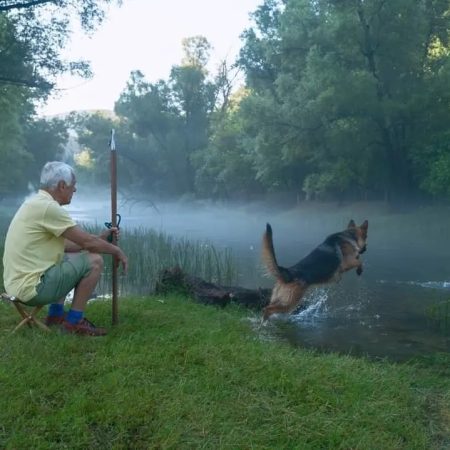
point(340, 101)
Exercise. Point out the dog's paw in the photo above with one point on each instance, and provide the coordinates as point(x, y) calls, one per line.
point(359, 270)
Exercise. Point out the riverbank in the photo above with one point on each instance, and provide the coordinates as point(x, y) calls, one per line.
point(175, 374)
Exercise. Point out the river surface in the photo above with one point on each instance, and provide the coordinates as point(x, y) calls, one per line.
point(381, 314)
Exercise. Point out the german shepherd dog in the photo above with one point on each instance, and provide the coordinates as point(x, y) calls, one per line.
point(337, 254)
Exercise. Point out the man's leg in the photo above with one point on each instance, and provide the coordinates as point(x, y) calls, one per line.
point(80, 271)
point(75, 323)
point(60, 279)
point(56, 314)
point(85, 288)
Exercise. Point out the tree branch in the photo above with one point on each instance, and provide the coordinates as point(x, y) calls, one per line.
point(23, 5)
point(27, 83)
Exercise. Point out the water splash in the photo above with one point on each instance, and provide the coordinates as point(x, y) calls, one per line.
point(316, 308)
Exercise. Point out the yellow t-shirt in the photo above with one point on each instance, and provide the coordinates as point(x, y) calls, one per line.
point(33, 244)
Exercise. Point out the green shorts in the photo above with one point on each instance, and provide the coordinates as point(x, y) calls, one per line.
point(60, 279)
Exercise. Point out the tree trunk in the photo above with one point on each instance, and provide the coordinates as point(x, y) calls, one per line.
point(175, 280)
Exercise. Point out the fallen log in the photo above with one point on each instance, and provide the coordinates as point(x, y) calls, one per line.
point(175, 280)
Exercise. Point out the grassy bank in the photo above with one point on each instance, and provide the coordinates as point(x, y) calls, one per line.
point(179, 375)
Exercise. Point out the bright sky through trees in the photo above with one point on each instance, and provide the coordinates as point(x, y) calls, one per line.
point(146, 35)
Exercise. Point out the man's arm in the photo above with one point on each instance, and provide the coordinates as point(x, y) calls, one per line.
point(71, 247)
point(84, 241)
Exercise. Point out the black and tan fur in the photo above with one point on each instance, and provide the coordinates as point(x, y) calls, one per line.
point(336, 255)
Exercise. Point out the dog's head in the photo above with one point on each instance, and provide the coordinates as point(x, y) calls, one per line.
point(360, 233)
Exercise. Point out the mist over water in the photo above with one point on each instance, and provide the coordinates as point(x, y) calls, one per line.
point(380, 314)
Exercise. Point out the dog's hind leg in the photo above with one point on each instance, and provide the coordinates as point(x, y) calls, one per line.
point(276, 308)
point(285, 298)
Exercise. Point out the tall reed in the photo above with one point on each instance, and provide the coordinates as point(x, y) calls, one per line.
point(149, 252)
point(439, 315)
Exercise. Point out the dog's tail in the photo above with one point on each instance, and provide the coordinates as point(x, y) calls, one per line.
point(268, 256)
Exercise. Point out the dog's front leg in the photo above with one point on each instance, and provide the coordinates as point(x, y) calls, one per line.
point(359, 269)
point(352, 262)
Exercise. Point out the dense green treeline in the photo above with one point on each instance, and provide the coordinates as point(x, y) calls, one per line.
point(342, 100)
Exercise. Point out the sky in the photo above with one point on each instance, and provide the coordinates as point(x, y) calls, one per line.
point(146, 35)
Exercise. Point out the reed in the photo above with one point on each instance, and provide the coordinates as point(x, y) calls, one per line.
point(439, 314)
point(149, 252)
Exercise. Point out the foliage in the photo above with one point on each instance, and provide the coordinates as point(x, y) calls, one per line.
point(224, 168)
point(45, 140)
point(43, 28)
point(345, 84)
point(341, 102)
point(13, 108)
point(168, 121)
point(32, 35)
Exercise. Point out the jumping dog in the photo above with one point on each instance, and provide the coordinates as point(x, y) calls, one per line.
point(337, 254)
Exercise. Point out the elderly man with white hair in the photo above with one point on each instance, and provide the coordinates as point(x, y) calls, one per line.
point(36, 267)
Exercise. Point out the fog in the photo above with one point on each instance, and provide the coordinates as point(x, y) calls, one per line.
point(380, 314)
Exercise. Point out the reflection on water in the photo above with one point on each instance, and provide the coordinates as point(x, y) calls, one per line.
point(380, 314)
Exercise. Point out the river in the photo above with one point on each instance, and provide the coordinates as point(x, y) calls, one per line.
point(381, 314)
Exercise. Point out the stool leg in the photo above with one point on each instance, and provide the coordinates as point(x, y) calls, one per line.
point(36, 321)
point(26, 317)
point(23, 322)
point(30, 319)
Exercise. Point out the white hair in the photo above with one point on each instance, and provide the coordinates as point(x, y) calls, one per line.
point(55, 171)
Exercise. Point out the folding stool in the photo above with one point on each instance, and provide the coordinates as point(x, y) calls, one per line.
point(28, 316)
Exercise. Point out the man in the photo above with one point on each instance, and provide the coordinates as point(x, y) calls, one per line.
point(37, 269)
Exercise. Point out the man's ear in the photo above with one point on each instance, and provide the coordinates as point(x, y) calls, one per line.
point(61, 184)
point(351, 224)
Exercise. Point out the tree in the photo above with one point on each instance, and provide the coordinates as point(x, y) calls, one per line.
point(149, 113)
point(42, 28)
point(338, 92)
point(44, 140)
point(170, 119)
point(196, 51)
point(224, 168)
point(14, 107)
point(32, 34)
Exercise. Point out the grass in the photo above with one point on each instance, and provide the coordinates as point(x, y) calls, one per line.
point(177, 375)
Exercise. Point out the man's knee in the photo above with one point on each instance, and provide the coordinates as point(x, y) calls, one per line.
point(96, 261)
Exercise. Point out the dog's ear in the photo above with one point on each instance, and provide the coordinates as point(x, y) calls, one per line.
point(351, 224)
point(365, 225)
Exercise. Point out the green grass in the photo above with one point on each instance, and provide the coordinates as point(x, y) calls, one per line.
point(177, 375)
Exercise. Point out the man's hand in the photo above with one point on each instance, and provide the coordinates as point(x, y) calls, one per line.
point(121, 257)
point(110, 231)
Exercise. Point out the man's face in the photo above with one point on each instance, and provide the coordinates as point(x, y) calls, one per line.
point(67, 191)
